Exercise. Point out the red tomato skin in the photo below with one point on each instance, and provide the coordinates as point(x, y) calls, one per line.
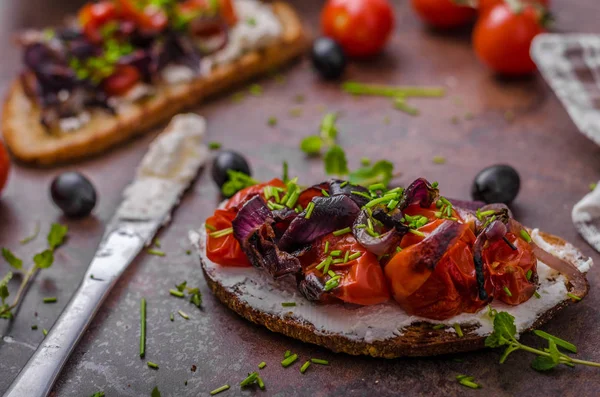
point(443, 14)
point(122, 80)
point(508, 268)
point(4, 166)
point(93, 15)
point(362, 283)
point(225, 251)
point(502, 39)
point(361, 27)
point(486, 5)
point(240, 198)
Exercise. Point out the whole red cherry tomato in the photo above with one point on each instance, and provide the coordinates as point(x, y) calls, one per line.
point(502, 37)
point(93, 15)
point(361, 27)
point(4, 166)
point(444, 14)
point(486, 5)
point(122, 80)
point(512, 273)
point(147, 16)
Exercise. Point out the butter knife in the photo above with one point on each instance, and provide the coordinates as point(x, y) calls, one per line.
point(166, 171)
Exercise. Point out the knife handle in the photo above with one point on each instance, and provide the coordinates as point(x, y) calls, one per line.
point(42, 369)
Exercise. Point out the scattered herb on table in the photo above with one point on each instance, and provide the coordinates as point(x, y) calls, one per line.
point(262, 365)
point(356, 88)
point(45, 332)
point(214, 145)
point(152, 365)
point(142, 327)
point(255, 89)
point(156, 252)
point(439, 160)
point(193, 293)
point(467, 381)
point(272, 121)
point(295, 112)
point(505, 333)
point(34, 327)
point(183, 314)
point(299, 98)
point(319, 361)
point(289, 360)
point(33, 236)
point(100, 394)
point(43, 260)
point(155, 392)
point(51, 299)
point(304, 367)
point(219, 390)
point(401, 104)
point(593, 185)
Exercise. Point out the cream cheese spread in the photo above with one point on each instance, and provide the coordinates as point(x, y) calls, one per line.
point(383, 321)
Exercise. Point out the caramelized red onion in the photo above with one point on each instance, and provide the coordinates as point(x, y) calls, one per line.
point(419, 192)
point(382, 243)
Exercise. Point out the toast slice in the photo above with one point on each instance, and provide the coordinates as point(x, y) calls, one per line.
point(29, 142)
point(381, 330)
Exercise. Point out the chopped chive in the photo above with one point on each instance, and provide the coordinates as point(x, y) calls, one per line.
point(536, 294)
point(574, 297)
point(289, 361)
point(593, 186)
point(260, 382)
point(172, 317)
point(219, 390)
point(291, 203)
point(287, 354)
point(256, 90)
point(51, 299)
point(214, 145)
point(344, 184)
point(222, 232)
point(309, 210)
point(458, 330)
point(326, 269)
point(152, 365)
point(529, 274)
point(324, 193)
point(295, 112)
point(356, 88)
point(398, 249)
point(392, 204)
point(34, 327)
point(363, 194)
point(250, 379)
point(365, 161)
point(45, 332)
point(33, 236)
point(372, 233)
point(354, 256)
point(325, 263)
point(439, 326)
point(157, 243)
point(439, 160)
point(361, 226)
point(331, 273)
point(156, 252)
point(262, 365)
point(376, 201)
point(142, 327)
point(377, 186)
point(188, 252)
point(346, 256)
point(183, 314)
point(272, 121)
point(319, 361)
point(288, 304)
point(467, 381)
point(337, 261)
point(342, 231)
point(525, 235)
point(560, 342)
point(507, 291)
point(304, 367)
point(326, 247)
point(369, 224)
point(400, 104)
point(176, 293)
point(335, 253)
point(416, 233)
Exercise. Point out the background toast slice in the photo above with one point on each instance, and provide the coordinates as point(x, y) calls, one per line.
point(28, 140)
point(418, 339)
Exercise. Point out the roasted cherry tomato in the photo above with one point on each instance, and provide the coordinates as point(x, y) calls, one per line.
point(447, 289)
point(486, 5)
point(509, 270)
point(227, 11)
point(444, 14)
point(502, 38)
point(246, 194)
point(122, 80)
point(4, 166)
point(362, 281)
point(93, 16)
point(361, 27)
point(147, 16)
point(224, 250)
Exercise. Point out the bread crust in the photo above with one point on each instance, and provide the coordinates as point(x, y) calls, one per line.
point(29, 141)
point(419, 339)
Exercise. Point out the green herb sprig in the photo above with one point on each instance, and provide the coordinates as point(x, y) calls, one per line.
point(42, 260)
point(505, 333)
point(237, 181)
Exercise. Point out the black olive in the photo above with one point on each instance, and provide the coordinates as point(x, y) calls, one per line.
point(225, 161)
point(496, 184)
point(328, 58)
point(74, 194)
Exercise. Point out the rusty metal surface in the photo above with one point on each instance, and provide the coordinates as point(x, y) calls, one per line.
point(556, 164)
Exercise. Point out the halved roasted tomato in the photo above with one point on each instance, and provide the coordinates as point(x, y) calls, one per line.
point(221, 245)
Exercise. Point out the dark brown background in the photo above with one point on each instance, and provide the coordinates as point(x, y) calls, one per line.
point(556, 164)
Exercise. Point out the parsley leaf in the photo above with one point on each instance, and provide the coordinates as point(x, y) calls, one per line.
point(504, 330)
point(4, 287)
point(155, 392)
point(181, 287)
point(237, 181)
point(98, 394)
point(311, 145)
point(543, 363)
point(328, 129)
point(11, 259)
point(335, 161)
point(381, 172)
point(56, 236)
point(44, 259)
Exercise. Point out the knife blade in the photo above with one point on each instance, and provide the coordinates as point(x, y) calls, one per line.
point(166, 171)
